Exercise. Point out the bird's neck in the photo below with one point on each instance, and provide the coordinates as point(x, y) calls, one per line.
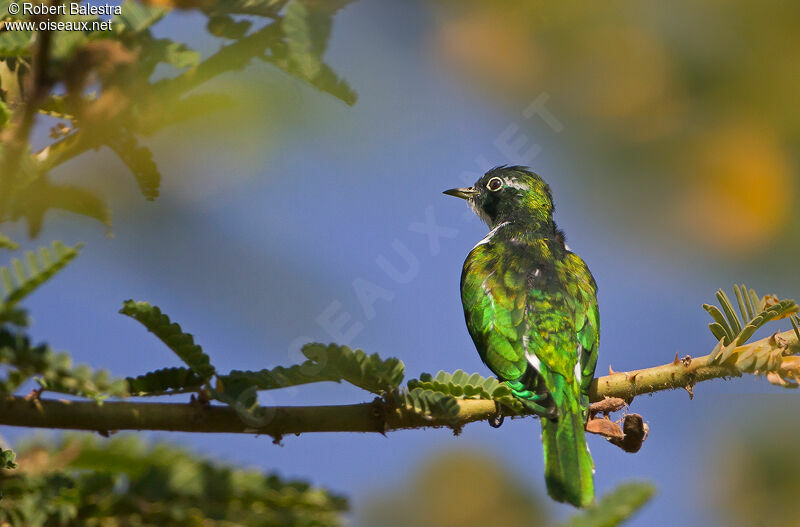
point(524, 229)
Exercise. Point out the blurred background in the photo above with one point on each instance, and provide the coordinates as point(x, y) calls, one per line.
point(669, 136)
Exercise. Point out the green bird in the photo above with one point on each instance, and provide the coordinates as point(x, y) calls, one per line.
point(531, 309)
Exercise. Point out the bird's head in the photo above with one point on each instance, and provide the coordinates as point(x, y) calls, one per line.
point(509, 193)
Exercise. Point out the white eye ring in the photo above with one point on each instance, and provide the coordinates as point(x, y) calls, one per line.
point(494, 184)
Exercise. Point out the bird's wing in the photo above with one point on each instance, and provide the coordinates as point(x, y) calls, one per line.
point(494, 298)
point(582, 292)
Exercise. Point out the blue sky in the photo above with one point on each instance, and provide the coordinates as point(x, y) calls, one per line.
point(266, 244)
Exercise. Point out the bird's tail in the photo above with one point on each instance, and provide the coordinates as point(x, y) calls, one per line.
point(568, 466)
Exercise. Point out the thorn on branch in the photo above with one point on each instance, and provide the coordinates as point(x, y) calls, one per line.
point(201, 399)
point(379, 413)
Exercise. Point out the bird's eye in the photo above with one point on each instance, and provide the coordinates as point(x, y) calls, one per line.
point(494, 184)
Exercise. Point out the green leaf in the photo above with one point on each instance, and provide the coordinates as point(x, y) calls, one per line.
point(794, 319)
point(615, 507)
point(40, 196)
point(5, 114)
point(326, 363)
point(754, 316)
point(40, 268)
point(740, 300)
point(726, 352)
point(715, 353)
point(139, 159)
point(727, 308)
point(123, 481)
point(718, 331)
point(719, 318)
point(430, 404)
point(52, 371)
point(180, 55)
point(460, 384)
point(7, 243)
point(307, 27)
point(170, 334)
point(307, 31)
point(136, 17)
point(15, 43)
point(65, 43)
point(164, 381)
point(7, 458)
point(224, 26)
point(755, 301)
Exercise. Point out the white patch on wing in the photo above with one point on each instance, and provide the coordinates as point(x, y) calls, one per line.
point(486, 239)
point(487, 291)
point(533, 360)
point(578, 370)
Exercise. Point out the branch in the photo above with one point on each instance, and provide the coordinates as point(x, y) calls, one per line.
point(377, 416)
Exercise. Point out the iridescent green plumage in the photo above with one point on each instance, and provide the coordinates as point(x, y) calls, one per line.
point(530, 305)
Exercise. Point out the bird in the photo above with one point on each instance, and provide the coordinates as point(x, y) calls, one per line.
point(531, 309)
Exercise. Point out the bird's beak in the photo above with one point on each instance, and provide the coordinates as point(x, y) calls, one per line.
point(463, 193)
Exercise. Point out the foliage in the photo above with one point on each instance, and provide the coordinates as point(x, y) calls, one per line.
point(755, 312)
point(22, 278)
point(117, 92)
point(23, 360)
point(172, 335)
point(164, 381)
point(7, 458)
point(7, 243)
point(615, 507)
point(777, 357)
point(461, 384)
point(53, 371)
point(430, 403)
point(437, 396)
point(83, 481)
point(328, 363)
